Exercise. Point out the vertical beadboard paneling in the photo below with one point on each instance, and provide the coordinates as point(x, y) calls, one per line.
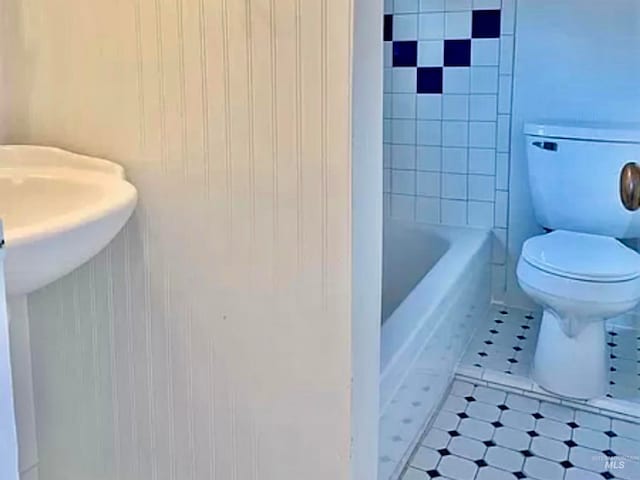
point(211, 339)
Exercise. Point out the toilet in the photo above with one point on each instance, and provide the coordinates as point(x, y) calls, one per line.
point(584, 186)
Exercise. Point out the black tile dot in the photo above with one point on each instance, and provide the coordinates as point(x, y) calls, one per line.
point(537, 416)
point(453, 433)
point(517, 349)
point(485, 24)
point(529, 316)
point(573, 424)
point(610, 434)
point(498, 321)
point(433, 473)
point(481, 463)
point(503, 407)
point(512, 360)
point(388, 28)
point(521, 337)
point(457, 53)
point(566, 464)
point(533, 433)
point(483, 354)
point(613, 334)
point(444, 452)
point(477, 365)
point(525, 327)
point(613, 369)
point(504, 312)
point(405, 54)
point(462, 415)
point(609, 453)
point(430, 80)
point(488, 342)
point(611, 382)
point(526, 453)
point(493, 331)
point(470, 398)
point(611, 344)
point(607, 475)
point(489, 443)
point(570, 443)
point(519, 475)
point(612, 356)
point(497, 424)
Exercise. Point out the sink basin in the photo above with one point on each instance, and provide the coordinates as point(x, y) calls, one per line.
point(59, 209)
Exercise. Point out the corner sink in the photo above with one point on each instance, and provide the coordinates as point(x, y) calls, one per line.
point(59, 209)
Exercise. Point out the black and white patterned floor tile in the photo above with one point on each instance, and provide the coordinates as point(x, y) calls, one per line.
point(483, 433)
point(506, 343)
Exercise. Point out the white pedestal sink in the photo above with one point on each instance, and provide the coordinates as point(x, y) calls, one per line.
point(59, 209)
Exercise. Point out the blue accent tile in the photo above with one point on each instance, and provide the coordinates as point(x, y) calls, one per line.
point(388, 28)
point(457, 53)
point(486, 24)
point(429, 80)
point(405, 54)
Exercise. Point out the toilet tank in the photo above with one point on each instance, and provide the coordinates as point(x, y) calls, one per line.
point(574, 175)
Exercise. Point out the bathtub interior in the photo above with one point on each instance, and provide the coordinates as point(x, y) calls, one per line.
point(408, 255)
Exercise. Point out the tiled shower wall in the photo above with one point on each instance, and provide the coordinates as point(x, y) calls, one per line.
point(447, 114)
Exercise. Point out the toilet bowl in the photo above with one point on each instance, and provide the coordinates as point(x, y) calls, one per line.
point(580, 280)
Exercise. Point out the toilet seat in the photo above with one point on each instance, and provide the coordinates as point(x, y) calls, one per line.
point(582, 256)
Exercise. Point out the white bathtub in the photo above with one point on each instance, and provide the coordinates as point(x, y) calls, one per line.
point(436, 284)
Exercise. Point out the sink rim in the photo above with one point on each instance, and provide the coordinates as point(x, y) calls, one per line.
point(54, 162)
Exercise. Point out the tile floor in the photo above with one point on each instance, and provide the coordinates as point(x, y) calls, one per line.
point(484, 433)
point(506, 342)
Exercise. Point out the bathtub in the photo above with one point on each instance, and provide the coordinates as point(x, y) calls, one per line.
point(436, 288)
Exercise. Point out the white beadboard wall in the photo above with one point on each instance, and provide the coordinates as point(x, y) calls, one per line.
point(212, 339)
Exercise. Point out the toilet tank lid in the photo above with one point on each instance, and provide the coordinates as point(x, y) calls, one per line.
point(597, 131)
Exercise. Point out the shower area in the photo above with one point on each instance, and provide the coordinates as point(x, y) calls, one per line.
point(448, 70)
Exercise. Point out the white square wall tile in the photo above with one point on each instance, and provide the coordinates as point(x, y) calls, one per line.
point(428, 184)
point(502, 171)
point(430, 53)
point(403, 182)
point(506, 54)
point(486, 4)
point(454, 160)
point(429, 107)
point(428, 209)
point(432, 5)
point(504, 133)
point(482, 161)
point(483, 107)
point(431, 26)
point(429, 158)
point(455, 107)
point(455, 134)
point(405, 27)
point(457, 25)
point(388, 80)
point(480, 214)
point(508, 21)
point(452, 5)
point(482, 134)
point(403, 131)
point(406, 6)
point(388, 6)
point(482, 187)
point(502, 205)
point(386, 180)
point(404, 80)
point(388, 54)
point(456, 80)
point(403, 157)
point(403, 206)
point(454, 212)
point(429, 132)
point(485, 51)
point(483, 80)
point(386, 155)
point(403, 105)
point(387, 105)
point(505, 83)
point(454, 186)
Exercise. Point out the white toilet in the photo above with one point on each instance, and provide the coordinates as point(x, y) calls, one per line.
point(585, 187)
